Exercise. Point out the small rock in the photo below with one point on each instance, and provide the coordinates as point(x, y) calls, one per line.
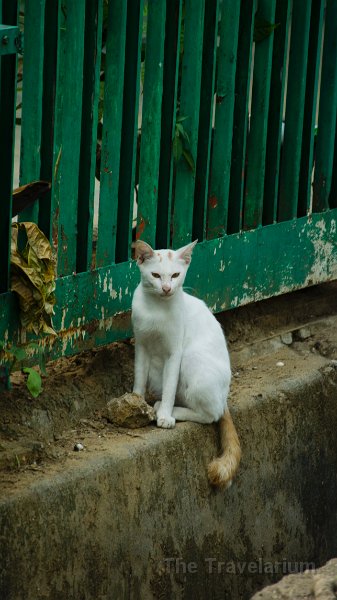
point(280, 363)
point(129, 410)
point(316, 584)
point(303, 333)
point(287, 338)
point(78, 447)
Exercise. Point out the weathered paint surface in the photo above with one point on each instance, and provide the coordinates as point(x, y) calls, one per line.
point(93, 308)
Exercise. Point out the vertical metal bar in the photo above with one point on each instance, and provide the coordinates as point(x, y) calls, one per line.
point(7, 136)
point(223, 126)
point(91, 86)
point(48, 166)
point(68, 113)
point(333, 191)
point(276, 104)
point(206, 118)
point(293, 130)
point(32, 93)
point(168, 120)
point(151, 122)
point(129, 129)
point(111, 136)
point(257, 138)
point(327, 112)
point(189, 107)
point(241, 110)
point(310, 108)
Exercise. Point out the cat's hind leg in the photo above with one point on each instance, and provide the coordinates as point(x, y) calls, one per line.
point(181, 413)
point(201, 401)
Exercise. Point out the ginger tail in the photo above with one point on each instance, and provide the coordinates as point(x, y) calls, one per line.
point(222, 469)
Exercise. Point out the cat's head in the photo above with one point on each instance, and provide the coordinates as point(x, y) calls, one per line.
point(163, 271)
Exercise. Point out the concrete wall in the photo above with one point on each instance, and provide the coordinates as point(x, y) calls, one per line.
point(102, 528)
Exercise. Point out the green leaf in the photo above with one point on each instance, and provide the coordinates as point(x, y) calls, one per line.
point(189, 159)
point(142, 72)
point(19, 353)
point(33, 346)
point(182, 132)
point(34, 383)
point(177, 148)
point(262, 28)
point(180, 119)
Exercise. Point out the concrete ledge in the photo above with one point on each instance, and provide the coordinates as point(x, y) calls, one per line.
point(138, 519)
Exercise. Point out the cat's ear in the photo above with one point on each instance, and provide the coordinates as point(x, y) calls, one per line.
point(185, 253)
point(142, 251)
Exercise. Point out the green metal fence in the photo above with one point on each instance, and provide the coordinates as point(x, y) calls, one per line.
point(200, 120)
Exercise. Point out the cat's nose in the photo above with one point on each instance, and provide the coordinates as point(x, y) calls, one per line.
point(166, 288)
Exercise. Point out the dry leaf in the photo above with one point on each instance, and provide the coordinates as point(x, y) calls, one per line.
point(33, 278)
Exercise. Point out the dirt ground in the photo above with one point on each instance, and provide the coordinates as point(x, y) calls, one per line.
point(268, 342)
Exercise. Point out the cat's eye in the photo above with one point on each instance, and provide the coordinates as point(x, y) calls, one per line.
point(175, 275)
point(156, 275)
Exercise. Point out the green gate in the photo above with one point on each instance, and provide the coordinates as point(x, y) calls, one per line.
point(208, 119)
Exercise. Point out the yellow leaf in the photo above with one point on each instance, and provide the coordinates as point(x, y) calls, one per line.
point(33, 278)
point(37, 240)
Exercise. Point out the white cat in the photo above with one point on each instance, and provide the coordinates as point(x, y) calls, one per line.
point(181, 353)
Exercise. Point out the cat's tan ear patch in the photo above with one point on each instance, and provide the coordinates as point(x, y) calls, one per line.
point(185, 253)
point(143, 251)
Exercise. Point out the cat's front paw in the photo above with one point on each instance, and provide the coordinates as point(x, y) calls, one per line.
point(163, 420)
point(166, 422)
